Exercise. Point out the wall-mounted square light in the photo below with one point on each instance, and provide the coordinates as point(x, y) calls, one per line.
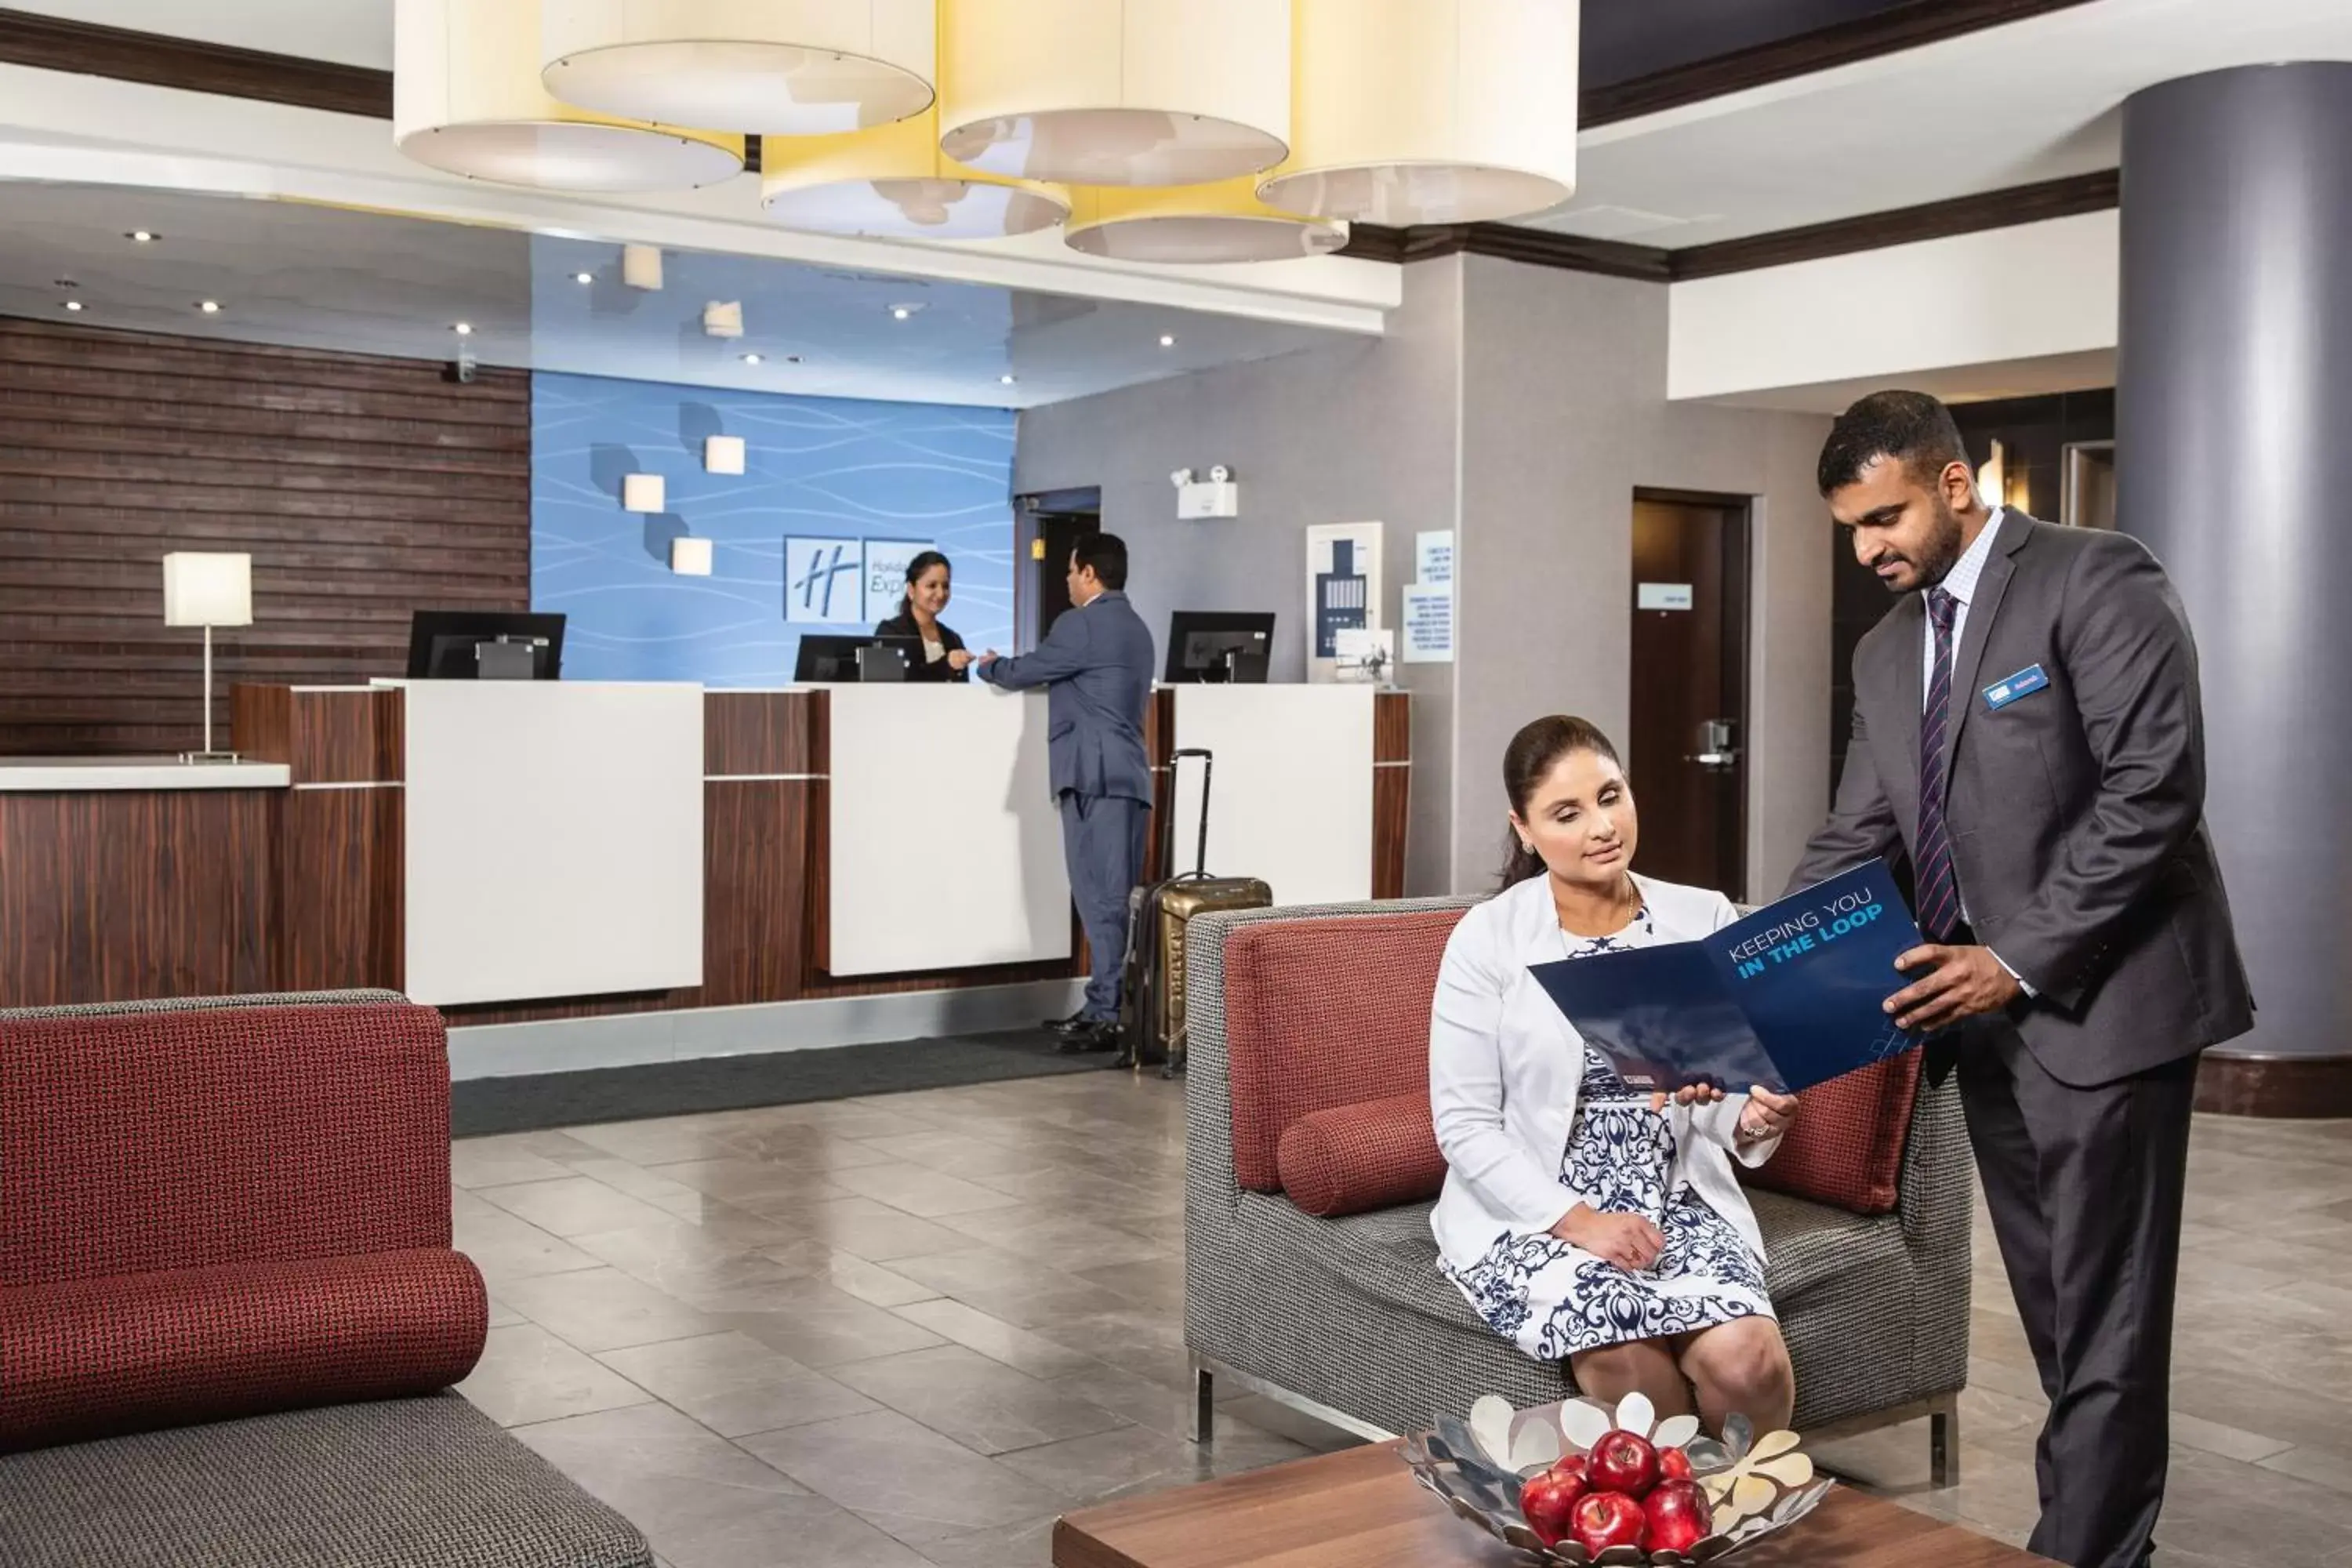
point(641, 265)
point(723, 318)
point(722, 454)
point(689, 557)
point(643, 492)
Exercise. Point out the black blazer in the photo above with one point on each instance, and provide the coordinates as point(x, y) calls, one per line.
point(2076, 811)
point(919, 667)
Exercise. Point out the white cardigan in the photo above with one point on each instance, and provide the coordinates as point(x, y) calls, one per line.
point(1505, 1067)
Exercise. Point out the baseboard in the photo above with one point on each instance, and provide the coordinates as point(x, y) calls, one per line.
point(635, 1040)
point(2274, 1084)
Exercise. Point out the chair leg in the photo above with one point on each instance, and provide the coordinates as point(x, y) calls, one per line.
point(1944, 1445)
point(1202, 1426)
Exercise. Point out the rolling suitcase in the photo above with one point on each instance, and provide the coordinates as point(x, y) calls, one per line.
point(1151, 1010)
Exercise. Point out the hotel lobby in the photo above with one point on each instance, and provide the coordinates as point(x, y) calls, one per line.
point(753, 749)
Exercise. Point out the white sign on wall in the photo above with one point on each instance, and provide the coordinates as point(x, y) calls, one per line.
point(1429, 624)
point(1433, 556)
point(886, 574)
point(823, 581)
point(1343, 589)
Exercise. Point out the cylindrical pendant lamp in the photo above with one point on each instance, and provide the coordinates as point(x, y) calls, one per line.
point(1116, 92)
point(1193, 224)
point(894, 182)
point(778, 67)
point(1426, 111)
point(467, 99)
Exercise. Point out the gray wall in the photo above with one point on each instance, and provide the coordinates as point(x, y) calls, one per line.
point(1364, 430)
point(1521, 406)
point(1564, 417)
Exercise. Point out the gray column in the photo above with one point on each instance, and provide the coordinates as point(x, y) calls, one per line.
point(2233, 449)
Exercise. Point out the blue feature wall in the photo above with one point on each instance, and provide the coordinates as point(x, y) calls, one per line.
point(837, 491)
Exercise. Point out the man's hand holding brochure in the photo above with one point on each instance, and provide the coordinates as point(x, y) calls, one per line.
point(1790, 996)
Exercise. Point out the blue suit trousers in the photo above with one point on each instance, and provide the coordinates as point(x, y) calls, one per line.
point(1102, 842)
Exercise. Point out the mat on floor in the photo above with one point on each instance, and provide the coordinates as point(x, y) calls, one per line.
point(528, 1104)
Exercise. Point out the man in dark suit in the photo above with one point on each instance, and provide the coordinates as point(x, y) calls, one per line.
point(1095, 663)
point(2027, 728)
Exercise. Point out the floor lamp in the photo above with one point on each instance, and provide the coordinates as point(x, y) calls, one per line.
point(208, 589)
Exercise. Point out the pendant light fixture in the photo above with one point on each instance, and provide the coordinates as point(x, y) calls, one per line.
point(894, 182)
point(1116, 92)
point(467, 99)
point(776, 67)
point(1431, 111)
point(1191, 225)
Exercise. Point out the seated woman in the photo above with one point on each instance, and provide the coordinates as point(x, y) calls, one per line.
point(940, 654)
point(1580, 1217)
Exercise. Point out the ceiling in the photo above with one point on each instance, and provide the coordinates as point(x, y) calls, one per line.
point(321, 276)
point(1953, 383)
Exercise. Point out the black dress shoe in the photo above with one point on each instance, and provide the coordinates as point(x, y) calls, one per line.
point(1091, 1035)
point(1066, 1026)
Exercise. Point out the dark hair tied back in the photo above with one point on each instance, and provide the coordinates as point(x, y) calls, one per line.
point(1532, 754)
point(915, 570)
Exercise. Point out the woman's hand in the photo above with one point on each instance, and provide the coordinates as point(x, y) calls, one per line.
point(1768, 1115)
point(959, 659)
point(1689, 1094)
point(1627, 1240)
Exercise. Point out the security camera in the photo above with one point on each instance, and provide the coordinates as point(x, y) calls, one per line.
point(1180, 478)
point(1220, 474)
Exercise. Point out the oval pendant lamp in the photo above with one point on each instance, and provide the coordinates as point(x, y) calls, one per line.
point(894, 182)
point(1194, 225)
point(467, 99)
point(779, 68)
point(1116, 92)
point(1429, 112)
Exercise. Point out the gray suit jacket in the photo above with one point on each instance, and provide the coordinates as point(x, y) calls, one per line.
point(2076, 812)
point(1097, 662)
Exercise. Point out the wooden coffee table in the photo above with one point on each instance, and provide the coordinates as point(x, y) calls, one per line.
point(1360, 1507)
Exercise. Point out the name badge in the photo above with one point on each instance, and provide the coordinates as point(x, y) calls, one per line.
point(2025, 683)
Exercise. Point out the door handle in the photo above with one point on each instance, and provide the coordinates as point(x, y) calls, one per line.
point(1715, 759)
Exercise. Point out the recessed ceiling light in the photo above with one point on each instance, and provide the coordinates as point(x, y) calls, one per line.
point(1167, 340)
point(209, 307)
point(1005, 379)
point(143, 237)
point(754, 359)
point(900, 312)
point(464, 329)
point(73, 304)
point(583, 278)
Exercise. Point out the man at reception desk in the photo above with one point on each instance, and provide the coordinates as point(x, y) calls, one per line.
point(1096, 664)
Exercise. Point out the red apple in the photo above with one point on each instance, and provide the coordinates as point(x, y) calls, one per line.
point(1621, 1462)
point(1674, 1465)
point(1604, 1519)
point(1549, 1500)
point(1573, 1465)
point(1678, 1516)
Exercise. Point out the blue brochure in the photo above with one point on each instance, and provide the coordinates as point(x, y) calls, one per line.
point(1791, 996)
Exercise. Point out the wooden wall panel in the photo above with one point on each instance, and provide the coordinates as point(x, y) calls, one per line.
point(132, 895)
point(364, 488)
point(340, 875)
point(1391, 790)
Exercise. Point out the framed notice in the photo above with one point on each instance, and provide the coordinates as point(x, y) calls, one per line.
point(1343, 589)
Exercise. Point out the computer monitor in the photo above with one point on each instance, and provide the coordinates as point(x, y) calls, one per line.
point(846, 660)
point(449, 645)
point(1219, 646)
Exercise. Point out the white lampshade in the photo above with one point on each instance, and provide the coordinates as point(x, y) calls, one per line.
point(1195, 224)
point(1427, 112)
point(778, 67)
point(207, 588)
point(893, 182)
point(1116, 92)
point(467, 99)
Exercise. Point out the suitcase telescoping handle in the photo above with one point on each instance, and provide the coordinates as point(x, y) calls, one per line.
point(1200, 871)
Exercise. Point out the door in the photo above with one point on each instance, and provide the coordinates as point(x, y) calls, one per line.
point(1053, 523)
point(1687, 753)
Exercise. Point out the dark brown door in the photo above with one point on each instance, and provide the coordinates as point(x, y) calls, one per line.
point(1688, 749)
point(1051, 524)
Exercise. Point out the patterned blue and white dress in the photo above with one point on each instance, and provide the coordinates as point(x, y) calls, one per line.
point(1554, 1299)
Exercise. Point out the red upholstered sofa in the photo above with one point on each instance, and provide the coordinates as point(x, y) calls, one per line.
point(1311, 1165)
point(229, 1310)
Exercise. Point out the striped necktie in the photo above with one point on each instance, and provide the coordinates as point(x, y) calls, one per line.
point(1939, 887)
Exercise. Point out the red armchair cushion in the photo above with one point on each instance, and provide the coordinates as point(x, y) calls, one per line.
point(1846, 1148)
point(142, 1143)
point(1353, 1158)
point(1324, 1012)
point(93, 1358)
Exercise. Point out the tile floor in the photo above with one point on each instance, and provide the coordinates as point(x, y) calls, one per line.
point(889, 1332)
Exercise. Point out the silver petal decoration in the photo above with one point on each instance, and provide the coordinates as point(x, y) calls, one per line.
point(1676, 1432)
point(1583, 1423)
point(1738, 1435)
point(1536, 1447)
point(1636, 1414)
point(1490, 1422)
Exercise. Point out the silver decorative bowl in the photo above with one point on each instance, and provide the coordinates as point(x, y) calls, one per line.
point(1755, 1486)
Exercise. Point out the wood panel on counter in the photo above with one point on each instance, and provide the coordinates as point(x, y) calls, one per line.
point(120, 895)
point(362, 487)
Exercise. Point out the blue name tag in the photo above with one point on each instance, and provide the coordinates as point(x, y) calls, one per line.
point(2025, 683)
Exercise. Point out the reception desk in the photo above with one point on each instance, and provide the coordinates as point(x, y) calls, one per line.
point(703, 871)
